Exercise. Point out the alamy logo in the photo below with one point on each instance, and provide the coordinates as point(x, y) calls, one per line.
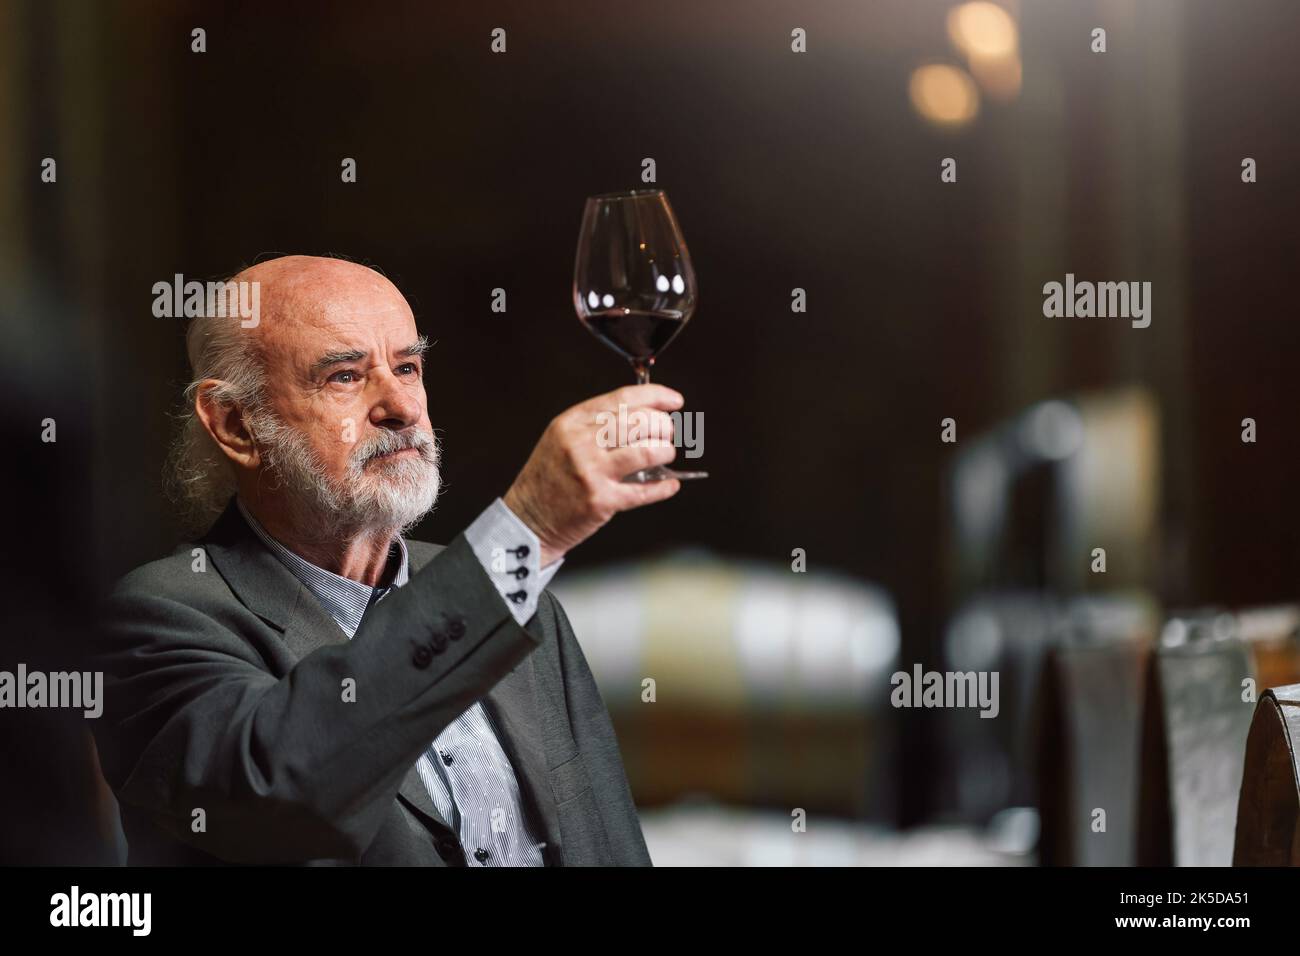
point(74, 689)
point(946, 689)
point(1114, 300)
point(102, 909)
point(214, 300)
point(625, 428)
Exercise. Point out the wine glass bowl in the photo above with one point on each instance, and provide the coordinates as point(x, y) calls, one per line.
point(633, 284)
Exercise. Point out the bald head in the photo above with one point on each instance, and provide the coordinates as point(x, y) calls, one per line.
point(294, 286)
point(297, 290)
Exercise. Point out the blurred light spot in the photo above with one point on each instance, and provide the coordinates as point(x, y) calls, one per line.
point(873, 641)
point(975, 642)
point(1174, 633)
point(999, 77)
point(1224, 627)
point(944, 94)
point(662, 283)
point(1014, 830)
point(989, 37)
point(607, 301)
point(679, 286)
point(980, 493)
point(1051, 430)
point(982, 30)
point(593, 300)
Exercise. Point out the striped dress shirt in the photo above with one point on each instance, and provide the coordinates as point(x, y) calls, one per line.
point(465, 770)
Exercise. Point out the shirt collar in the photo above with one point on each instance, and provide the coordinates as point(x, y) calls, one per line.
point(344, 599)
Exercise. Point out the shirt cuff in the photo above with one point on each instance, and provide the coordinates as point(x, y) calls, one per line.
point(510, 554)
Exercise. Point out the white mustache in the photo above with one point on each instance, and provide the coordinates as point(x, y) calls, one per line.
point(388, 442)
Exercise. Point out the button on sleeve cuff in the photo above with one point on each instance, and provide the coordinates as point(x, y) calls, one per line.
point(510, 554)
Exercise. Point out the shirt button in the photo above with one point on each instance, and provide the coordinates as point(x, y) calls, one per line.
point(481, 854)
point(446, 757)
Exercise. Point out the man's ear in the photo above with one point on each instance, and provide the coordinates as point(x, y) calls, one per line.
point(225, 423)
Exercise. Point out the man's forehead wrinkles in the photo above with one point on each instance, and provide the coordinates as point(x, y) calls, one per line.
point(334, 323)
point(348, 318)
point(352, 311)
point(314, 298)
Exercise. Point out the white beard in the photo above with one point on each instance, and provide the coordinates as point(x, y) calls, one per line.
point(384, 497)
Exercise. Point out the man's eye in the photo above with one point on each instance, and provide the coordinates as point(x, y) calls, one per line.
point(409, 368)
point(346, 377)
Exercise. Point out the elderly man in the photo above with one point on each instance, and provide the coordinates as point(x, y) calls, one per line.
point(305, 685)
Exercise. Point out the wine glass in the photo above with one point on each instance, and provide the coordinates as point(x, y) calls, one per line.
point(633, 285)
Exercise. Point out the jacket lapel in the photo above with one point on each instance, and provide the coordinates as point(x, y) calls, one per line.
point(416, 796)
point(513, 706)
point(271, 591)
point(259, 580)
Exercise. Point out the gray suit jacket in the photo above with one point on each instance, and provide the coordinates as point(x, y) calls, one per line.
point(224, 693)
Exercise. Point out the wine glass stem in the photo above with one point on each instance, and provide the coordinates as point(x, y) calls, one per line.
point(642, 373)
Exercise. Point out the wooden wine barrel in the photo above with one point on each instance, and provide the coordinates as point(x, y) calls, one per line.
point(1268, 813)
point(771, 687)
point(1266, 810)
point(988, 765)
point(1194, 737)
point(1200, 699)
point(1089, 732)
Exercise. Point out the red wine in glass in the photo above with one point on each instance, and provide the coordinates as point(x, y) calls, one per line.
point(633, 285)
point(637, 336)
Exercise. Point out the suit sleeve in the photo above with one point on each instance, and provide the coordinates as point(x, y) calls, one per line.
point(289, 770)
point(593, 732)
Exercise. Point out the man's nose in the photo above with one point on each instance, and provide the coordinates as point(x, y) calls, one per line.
point(396, 406)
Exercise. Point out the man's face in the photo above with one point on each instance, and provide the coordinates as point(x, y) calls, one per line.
point(348, 427)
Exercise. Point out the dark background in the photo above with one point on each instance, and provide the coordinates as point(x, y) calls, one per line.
point(811, 171)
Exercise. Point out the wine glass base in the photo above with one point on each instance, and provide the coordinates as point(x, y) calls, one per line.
point(660, 473)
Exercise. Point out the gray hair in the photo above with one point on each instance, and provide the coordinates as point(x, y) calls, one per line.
point(199, 478)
